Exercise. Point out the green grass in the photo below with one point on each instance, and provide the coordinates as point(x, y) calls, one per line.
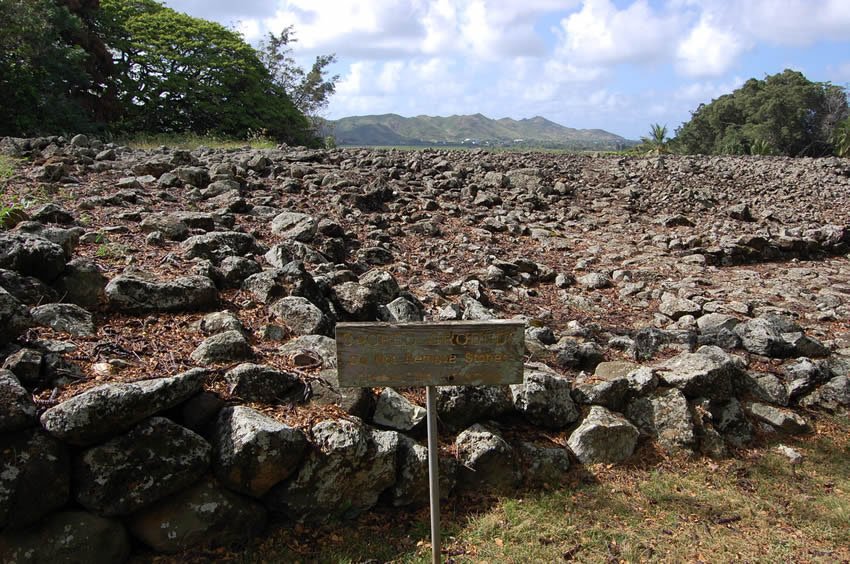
point(7, 168)
point(10, 207)
point(754, 508)
point(192, 141)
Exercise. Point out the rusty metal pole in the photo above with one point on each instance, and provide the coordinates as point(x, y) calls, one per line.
point(433, 472)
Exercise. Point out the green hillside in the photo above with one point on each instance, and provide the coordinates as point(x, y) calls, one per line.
point(473, 130)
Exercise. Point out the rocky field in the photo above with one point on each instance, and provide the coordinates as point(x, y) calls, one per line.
point(167, 323)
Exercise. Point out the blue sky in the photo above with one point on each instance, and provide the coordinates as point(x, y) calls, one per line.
point(618, 65)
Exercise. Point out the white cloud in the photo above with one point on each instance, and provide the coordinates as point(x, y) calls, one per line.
point(704, 92)
point(559, 58)
point(709, 50)
point(602, 34)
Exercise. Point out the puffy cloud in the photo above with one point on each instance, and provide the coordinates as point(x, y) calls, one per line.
point(569, 60)
point(709, 50)
point(602, 34)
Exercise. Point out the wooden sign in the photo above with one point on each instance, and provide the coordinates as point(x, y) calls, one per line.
point(450, 353)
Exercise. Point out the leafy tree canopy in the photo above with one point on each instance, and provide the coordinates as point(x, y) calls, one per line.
point(310, 90)
point(783, 114)
point(42, 74)
point(177, 73)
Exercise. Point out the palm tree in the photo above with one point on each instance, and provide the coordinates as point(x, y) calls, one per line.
point(656, 143)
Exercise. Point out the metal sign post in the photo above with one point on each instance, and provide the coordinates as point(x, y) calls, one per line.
point(433, 471)
point(451, 353)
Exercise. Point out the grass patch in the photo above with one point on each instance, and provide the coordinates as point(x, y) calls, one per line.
point(756, 508)
point(7, 168)
point(11, 210)
point(192, 141)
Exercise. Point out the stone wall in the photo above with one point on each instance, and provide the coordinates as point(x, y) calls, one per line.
point(175, 458)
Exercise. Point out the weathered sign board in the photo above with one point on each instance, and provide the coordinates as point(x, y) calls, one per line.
point(450, 353)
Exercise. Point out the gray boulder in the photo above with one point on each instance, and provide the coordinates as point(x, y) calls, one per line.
point(767, 387)
point(394, 411)
point(603, 437)
point(781, 419)
point(68, 318)
point(17, 410)
point(26, 364)
point(473, 310)
point(544, 399)
point(665, 417)
point(708, 373)
point(204, 514)
point(607, 387)
point(27, 289)
point(32, 255)
point(675, 307)
point(35, 477)
point(68, 537)
point(711, 322)
point(488, 462)
point(802, 376)
point(642, 381)
point(381, 284)
point(595, 281)
point(300, 316)
point(104, 411)
point(51, 213)
point(283, 253)
point(460, 406)
point(261, 383)
point(82, 283)
point(294, 225)
point(355, 302)
point(133, 293)
point(401, 310)
point(834, 395)
point(291, 280)
point(219, 322)
point(729, 419)
point(217, 245)
point(763, 336)
point(343, 476)
point(319, 346)
point(14, 317)
point(254, 452)
point(158, 457)
point(325, 390)
point(544, 466)
point(228, 346)
point(412, 485)
point(233, 271)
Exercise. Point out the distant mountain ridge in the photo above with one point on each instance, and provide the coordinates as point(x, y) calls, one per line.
point(471, 130)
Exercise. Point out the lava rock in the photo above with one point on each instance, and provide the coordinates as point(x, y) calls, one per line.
point(544, 399)
point(104, 411)
point(343, 477)
point(35, 477)
point(153, 460)
point(133, 293)
point(68, 536)
point(603, 437)
point(261, 383)
point(488, 463)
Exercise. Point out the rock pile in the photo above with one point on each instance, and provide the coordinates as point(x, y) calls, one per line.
point(169, 370)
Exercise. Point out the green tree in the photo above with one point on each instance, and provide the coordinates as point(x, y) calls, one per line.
point(656, 143)
point(310, 90)
point(43, 74)
point(176, 73)
point(785, 113)
point(841, 138)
